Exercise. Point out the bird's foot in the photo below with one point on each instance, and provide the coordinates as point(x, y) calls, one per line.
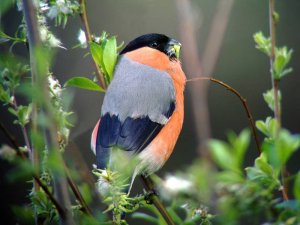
point(149, 196)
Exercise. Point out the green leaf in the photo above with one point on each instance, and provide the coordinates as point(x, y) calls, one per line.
point(222, 155)
point(286, 71)
point(241, 145)
point(4, 96)
point(257, 175)
point(5, 5)
point(254, 173)
point(24, 114)
point(279, 152)
point(120, 46)
point(282, 58)
point(55, 162)
point(230, 177)
point(145, 217)
point(174, 216)
point(279, 64)
point(97, 54)
point(269, 98)
point(22, 170)
point(25, 213)
point(86, 192)
point(84, 83)
point(263, 173)
point(262, 164)
point(110, 55)
point(13, 111)
point(268, 127)
point(289, 204)
point(276, 17)
point(297, 187)
point(262, 43)
point(261, 126)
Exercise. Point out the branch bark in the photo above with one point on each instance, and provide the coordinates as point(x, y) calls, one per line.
point(20, 154)
point(275, 85)
point(39, 80)
point(243, 101)
point(149, 185)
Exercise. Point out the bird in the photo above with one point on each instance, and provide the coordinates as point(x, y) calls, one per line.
point(143, 108)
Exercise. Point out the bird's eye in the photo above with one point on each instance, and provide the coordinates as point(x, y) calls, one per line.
point(153, 44)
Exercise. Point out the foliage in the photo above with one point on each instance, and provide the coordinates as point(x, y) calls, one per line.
point(84, 83)
point(282, 55)
point(201, 194)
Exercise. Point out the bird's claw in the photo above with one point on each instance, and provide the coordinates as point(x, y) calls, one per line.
point(149, 196)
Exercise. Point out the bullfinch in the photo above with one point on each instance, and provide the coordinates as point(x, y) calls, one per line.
point(143, 108)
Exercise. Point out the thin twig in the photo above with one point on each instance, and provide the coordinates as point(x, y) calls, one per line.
point(242, 99)
point(73, 186)
point(34, 160)
point(61, 211)
point(21, 154)
point(33, 38)
point(15, 105)
point(149, 185)
point(80, 199)
point(9, 136)
point(84, 19)
point(275, 85)
point(39, 79)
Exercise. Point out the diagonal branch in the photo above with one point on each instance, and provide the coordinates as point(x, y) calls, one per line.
point(20, 154)
point(149, 185)
point(71, 183)
point(73, 186)
point(242, 99)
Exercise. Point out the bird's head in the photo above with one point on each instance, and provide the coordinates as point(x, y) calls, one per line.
point(160, 42)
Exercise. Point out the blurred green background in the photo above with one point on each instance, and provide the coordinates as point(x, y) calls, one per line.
point(238, 63)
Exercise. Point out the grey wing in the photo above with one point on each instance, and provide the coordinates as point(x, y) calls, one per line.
point(138, 90)
point(137, 104)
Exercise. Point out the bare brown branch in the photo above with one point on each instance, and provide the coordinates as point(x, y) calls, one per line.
point(242, 99)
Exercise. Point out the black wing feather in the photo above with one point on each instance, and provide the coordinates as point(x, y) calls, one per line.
point(134, 134)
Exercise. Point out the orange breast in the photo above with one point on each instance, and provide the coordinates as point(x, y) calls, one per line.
point(163, 144)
